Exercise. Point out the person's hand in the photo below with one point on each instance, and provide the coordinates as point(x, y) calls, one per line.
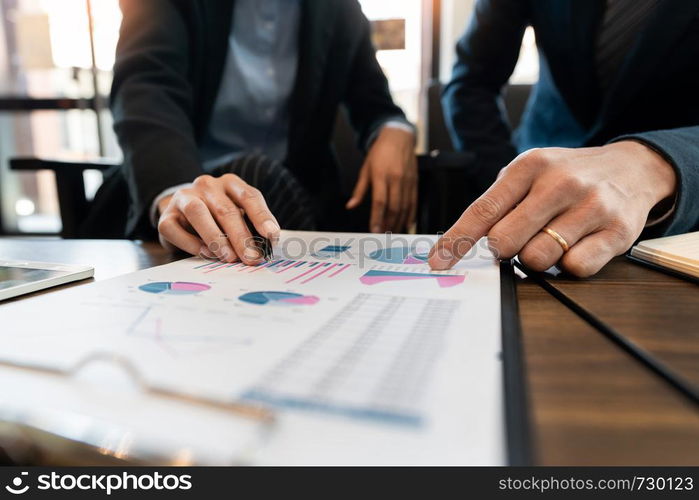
point(390, 169)
point(597, 199)
point(207, 218)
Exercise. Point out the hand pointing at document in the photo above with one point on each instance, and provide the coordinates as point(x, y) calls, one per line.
point(577, 207)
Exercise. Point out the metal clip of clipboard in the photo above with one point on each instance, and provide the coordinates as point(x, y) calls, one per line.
point(107, 438)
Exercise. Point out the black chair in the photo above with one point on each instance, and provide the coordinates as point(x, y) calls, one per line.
point(439, 173)
point(70, 186)
point(444, 173)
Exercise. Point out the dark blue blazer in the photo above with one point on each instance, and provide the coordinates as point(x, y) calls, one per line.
point(654, 98)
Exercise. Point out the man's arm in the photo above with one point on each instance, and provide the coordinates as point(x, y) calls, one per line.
point(486, 56)
point(680, 148)
point(577, 207)
point(151, 101)
point(390, 167)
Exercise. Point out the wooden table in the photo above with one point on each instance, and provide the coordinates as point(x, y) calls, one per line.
point(591, 403)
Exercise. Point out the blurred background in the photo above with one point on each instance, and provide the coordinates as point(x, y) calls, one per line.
point(55, 73)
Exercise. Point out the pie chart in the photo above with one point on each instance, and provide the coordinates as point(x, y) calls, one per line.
point(174, 288)
point(279, 299)
point(399, 255)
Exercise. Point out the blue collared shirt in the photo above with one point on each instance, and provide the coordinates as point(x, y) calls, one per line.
point(252, 109)
point(251, 112)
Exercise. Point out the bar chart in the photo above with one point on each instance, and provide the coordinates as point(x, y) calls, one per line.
point(372, 360)
point(296, 272)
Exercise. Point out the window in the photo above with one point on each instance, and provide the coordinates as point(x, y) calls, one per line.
point(454, 19)
point(46, 53)
point(402, 65)
point(527, 69)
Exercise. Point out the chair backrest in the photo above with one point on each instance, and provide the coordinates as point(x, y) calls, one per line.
point(70, 186)
point(516, 97)
point(438, 138)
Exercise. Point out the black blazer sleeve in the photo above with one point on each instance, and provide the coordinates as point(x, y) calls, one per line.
point(367, 96)
point(485, 58)
point(151, 101)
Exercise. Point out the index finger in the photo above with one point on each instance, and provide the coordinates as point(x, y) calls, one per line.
point(479, 217)
point(253, 203)
point(379, 192)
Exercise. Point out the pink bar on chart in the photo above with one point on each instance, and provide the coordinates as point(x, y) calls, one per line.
point(302, 275)
point(216, 268)
point(306, 300)
point(346, 266)
point(444, 281)
point(261, 266)
point(288, 266)
point(412, 260)
point(322, 272)
point(284, 264)
point(185, 286)
point(374, 280)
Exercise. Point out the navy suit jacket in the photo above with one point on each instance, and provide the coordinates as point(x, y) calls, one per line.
point(654, 97)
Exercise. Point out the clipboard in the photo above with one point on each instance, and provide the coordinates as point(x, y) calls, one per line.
point(517, 412)
point(91, 427)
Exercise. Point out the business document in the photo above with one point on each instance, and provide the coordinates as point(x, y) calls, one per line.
point(362, 352)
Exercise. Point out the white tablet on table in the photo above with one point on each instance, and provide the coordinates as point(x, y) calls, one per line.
point(23, 277)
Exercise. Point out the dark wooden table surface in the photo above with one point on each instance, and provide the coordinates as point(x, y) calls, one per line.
point(591, 403)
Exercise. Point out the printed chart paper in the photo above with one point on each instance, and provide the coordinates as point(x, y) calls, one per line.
point(365, 353)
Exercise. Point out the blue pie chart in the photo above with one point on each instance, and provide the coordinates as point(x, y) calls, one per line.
point(280, 299)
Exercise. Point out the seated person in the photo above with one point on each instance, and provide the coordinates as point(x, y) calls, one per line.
point(225, 110)
point(609, 140)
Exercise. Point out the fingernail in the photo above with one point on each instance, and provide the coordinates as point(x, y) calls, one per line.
point(252, 254)
point(227, 256)
point(270, 228)
point(376, 229)
point(203, 251)
point(493, 249)
point(441, 259)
